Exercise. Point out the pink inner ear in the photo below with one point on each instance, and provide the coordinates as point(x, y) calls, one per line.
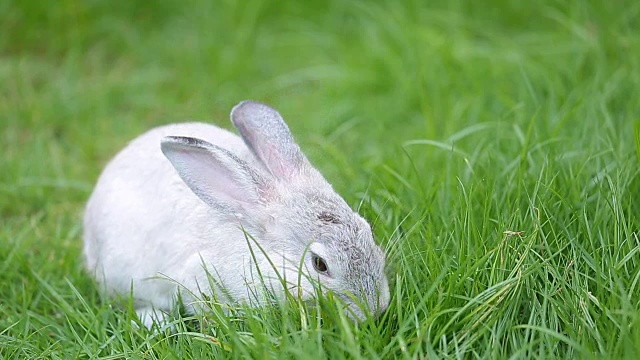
point(226, 185)
point(214, 176)
point(284, 163)
point(267, 135)
point(274, 162)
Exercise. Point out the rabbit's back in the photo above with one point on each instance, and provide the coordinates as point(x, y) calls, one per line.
point(131, 231)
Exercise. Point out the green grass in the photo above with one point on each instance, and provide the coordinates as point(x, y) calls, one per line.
point(448, 122)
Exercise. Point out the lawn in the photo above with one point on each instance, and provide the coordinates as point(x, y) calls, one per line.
point(494, 146)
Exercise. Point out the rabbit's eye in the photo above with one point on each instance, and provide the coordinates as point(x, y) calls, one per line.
point(319, 264)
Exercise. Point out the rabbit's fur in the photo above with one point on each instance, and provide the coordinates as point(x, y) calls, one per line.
point(183, 203)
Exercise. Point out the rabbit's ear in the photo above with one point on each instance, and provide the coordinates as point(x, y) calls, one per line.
point(267, 135)
point(215, 175)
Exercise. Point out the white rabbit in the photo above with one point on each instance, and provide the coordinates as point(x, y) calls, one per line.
point(183, 203)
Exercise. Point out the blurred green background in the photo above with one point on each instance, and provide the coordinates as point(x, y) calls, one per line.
point(80, 78)
point(450, 121)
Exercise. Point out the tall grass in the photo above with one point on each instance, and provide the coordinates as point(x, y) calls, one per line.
point(494, 146)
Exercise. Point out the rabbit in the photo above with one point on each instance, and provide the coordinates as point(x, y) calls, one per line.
point(190, 208)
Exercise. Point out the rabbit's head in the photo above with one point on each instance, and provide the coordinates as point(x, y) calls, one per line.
point(287, 206)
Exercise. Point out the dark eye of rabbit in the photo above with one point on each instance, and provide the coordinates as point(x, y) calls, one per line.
point(319, 264)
